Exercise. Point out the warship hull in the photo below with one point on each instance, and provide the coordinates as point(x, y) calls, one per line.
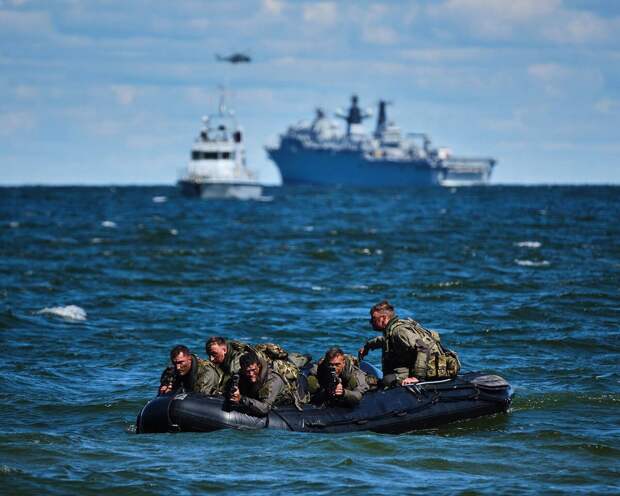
point(320, 153)
point(351, 168)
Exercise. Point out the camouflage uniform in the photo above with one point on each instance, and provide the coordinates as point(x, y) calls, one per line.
point(353, 381)
point(203, 377)
point(230, 365)
point(269, 390)
point(410, 350)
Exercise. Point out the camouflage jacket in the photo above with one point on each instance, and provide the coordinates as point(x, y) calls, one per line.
point(353, 381)
point(203, 377)
point(411, 350)
point(230, 365)
point(268, 391)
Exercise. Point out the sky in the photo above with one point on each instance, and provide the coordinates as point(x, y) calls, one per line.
point(113, 91)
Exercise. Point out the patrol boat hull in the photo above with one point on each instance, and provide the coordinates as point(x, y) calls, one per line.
point(392, 411)
point(239, 191)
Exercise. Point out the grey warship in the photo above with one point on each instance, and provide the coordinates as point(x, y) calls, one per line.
point(321, 153)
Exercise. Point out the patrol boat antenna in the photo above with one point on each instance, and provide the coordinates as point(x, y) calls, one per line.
point(217, 167)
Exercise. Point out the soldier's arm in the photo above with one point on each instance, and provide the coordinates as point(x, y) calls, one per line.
point(371, 344)
point(267, 396)
point(356, 388)
point(207, 380)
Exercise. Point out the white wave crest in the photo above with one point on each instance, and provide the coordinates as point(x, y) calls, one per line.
point(108, 223)
point(529, 244)
point(532, 263)
point(70, 312)
point(160, 199)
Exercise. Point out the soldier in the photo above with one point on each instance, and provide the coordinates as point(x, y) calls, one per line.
point(260, 387)
point(410, 353)
point(225, 355)
point(189, 374)
point(337, 380)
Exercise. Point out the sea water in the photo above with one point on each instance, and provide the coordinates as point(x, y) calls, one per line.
point(97, 284)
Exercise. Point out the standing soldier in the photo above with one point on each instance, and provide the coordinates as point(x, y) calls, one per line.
point(410, 353)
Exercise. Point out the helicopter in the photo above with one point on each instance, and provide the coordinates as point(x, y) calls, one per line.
point(235, 58)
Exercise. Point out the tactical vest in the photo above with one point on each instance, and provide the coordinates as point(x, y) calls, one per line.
point(430, 361)
point(280, 362)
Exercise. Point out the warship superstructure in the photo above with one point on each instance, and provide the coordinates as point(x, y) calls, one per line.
point(321, 153)
point(217, 168)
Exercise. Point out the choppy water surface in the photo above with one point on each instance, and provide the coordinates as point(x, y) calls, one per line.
point(97, 284)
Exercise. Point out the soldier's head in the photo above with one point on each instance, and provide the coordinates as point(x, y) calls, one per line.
point(216, 348)
point(334, 357)
point(181, 358)
point(380, 315)
point(250, 366)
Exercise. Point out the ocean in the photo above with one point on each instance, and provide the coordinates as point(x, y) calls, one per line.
point(97, 284)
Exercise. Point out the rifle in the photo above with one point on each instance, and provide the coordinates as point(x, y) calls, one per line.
point(169, 377)
point(332, 381)
point(233, 385)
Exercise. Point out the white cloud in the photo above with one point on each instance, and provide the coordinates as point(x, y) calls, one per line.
point(499, 10)
point(607, 106)
point(380, 35)
point(547, 72)
point(580, 27)
point(16, 122)
point(523, 19)
point(201, 24)
point(274, 6)
point(559, 80)
point(26, 92)
point(124, 94)
point(324, 13)
point(15, 3)
point(442, 54)
point(30, 23)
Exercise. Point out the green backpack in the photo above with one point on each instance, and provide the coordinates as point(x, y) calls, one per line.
point(433, 361)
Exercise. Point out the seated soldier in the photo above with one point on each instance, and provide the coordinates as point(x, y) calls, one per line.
point(337, 380)
point(410, 353)
point(189, 373)
point(225, 355)
point(260, 387)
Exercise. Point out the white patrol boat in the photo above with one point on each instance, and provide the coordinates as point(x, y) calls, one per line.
point(217, 168)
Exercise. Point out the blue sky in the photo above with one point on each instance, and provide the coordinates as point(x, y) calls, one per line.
point(112, 92)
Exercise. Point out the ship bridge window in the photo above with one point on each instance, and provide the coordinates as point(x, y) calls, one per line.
point(198, 155)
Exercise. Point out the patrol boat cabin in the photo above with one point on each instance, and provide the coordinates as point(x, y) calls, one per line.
point(217, 167)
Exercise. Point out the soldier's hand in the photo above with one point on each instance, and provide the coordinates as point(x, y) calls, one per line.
point(165, 388)
point(339, 391)
point(409, 380)
point(235, 397)
point(361, 353)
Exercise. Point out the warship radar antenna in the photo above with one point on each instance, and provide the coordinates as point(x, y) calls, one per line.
point(355, 115)
point(381, 119)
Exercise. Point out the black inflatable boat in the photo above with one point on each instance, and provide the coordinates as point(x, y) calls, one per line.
point(397, 410)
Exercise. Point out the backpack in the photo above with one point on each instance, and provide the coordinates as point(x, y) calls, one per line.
point(432, 361)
